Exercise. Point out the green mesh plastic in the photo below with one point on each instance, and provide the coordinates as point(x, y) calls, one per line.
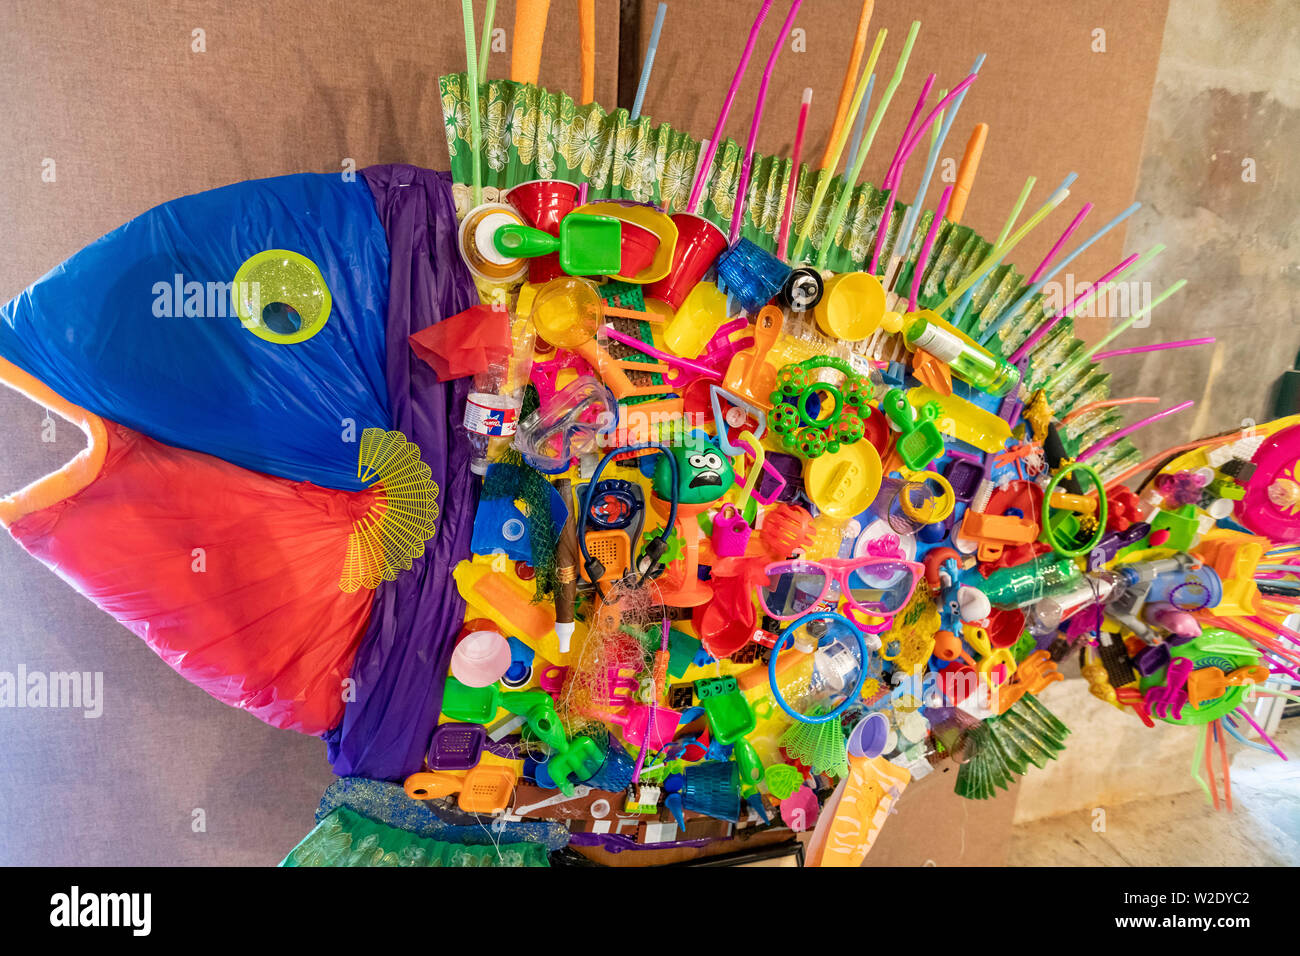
point(345, 838)
point(819, 746)
point(782, 780)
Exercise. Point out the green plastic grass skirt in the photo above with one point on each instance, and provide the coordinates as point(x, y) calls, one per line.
point(345, 838)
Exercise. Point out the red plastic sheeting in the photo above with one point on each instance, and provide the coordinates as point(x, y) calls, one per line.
point(231, 576)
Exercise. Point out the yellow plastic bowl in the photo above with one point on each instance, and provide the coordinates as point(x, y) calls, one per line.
point(851, 307)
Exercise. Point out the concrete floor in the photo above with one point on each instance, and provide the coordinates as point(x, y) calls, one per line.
point(1263, 829)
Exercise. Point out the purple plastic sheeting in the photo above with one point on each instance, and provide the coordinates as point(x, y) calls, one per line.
point(401, 665)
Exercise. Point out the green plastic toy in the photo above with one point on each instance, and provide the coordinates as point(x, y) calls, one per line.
point(706, 474)
point(472, 705)
point(729, 714)
point(588, 245)
point(578, 758)
point(919, 441)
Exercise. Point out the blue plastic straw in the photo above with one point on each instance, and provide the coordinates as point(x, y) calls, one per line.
point(861, 123)
point(964, 302)
point(649, 60)
point(914, 211)
point(1010, 311)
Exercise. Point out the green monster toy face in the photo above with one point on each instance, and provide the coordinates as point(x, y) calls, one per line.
point(706, 474)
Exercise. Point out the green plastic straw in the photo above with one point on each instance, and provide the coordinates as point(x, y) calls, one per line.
point(1110, 336)
point(471, 77)
point(851, 180)
point(959, 319)
point(1005, 246)
point(485, 48)
point(827, 174)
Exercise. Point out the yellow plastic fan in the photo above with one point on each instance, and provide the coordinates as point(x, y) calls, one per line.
point(392, 535)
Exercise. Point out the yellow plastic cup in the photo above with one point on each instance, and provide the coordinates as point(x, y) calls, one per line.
point(851, 306)
point(697, 321)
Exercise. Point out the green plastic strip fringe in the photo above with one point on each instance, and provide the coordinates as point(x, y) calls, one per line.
point(345, 838)
point(1003, 748)
point(530, 133)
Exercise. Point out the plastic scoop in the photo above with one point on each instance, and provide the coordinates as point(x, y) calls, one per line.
point(588, 245)
point(751, 376)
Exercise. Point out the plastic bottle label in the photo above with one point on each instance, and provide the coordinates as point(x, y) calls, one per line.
point(939, 342)
point(484, 419)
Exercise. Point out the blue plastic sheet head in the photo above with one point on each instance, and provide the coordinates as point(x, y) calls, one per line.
point(142, 326)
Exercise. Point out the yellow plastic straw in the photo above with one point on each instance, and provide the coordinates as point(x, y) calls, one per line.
point(1002, 248)
point(851, 179)
point(1112, 334)
point(826, 174)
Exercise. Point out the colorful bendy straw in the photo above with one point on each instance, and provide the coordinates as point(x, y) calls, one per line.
point(1130, 429)
point(651, 49)
point(850, 81)
point(711, 149)
point(787, 215)
point(742, 186)
point(1110, 336)
point(1157, 347)
point(530, 30)
point(926, 246)
point(1036, 284)
point(851, 178)
point(471, 77)
point(1001, 249)
point(914, 211)
point(825, 175)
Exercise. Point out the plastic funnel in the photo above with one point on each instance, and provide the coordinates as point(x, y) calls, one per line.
point(851, 307)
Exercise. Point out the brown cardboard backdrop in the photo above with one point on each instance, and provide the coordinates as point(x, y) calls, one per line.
point(1053, 105)
point(132, 117)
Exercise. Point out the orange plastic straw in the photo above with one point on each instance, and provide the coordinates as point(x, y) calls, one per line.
point(587, 41)
point(1109, 403)
point(850, 78)
point(970, 164)
point(530, 30)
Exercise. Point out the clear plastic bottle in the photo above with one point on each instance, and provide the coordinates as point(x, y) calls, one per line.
point(968, 360)
point(492, 408)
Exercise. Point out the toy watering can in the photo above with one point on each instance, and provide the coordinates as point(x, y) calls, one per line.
point(730, 532)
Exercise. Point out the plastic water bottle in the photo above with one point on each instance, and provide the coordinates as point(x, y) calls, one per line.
point(492, 408)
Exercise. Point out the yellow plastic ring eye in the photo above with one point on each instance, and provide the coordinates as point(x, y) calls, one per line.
point(281, 296)
point(934, 508)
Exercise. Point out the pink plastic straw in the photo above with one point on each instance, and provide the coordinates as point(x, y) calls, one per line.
point(742, 187)
point(787, 217)
point(1051, 323)
point(929, 120)
point(712, 149)
point(895, 173)
point(1240, 712)
point(890, 183)
point(924, 258)
point(1051, 253)
point(1107, 442)
point(1184, 343)
point(926, 87)
point(653, 352)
